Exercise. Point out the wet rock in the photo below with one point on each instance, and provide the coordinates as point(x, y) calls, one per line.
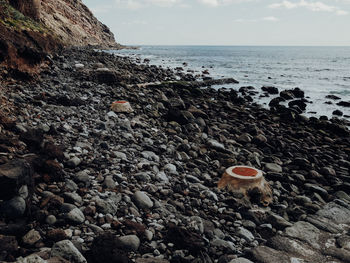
point(142, 200)
point(270, 90)
point(344, 103)
point(287, 95)
point(298, 93)
point(333, 97)
point(67, 250)
point(337, 113)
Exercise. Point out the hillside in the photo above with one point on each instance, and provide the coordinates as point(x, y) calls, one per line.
point(31, 29)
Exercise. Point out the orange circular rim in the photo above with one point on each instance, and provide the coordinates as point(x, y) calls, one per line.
point(245, 171)
point(120, 101)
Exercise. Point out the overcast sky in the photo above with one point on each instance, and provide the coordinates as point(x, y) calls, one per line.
point(226, 22)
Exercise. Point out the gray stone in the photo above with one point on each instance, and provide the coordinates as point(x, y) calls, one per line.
point(245, 138)
point(278, 221)
point(142, 200)
point(216, 145)
point(109, 206)
point(162, 177)
point(150, 156)
point(241, 260)
point(223, 244)
point(197, 224)
point(273, 167)
point(109, 182)
point(265, 254)
point(304, 231)
point(67, 250)
point(31, 259)
point(343, 196)
point(83, 176)
point(120, 155)
point(51, 220)
point(148, 234)
point(72, 198)
point(336, 213)
point(31, 237)
point(131, 242)
point(13, 208)
point(316, 189)
point(74, 162)
point(76, 216)
point(245, 233)
point(170, 168)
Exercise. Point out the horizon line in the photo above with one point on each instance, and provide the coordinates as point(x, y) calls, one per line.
point(224, 45)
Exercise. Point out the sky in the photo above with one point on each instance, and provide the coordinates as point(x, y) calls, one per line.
point(226, 22)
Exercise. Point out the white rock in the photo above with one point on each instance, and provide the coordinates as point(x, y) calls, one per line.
point(79, 66)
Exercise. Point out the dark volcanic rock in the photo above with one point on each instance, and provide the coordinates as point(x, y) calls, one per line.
point(270, 90)
point(14, 175)
point(107, 248)
point(185, 239)
point(344, 103)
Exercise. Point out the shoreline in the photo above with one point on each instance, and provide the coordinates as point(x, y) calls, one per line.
point(143, 184)
point(223, 64)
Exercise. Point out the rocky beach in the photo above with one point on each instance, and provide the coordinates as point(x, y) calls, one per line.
point(80, 182)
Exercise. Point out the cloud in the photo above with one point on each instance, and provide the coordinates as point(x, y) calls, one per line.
point(266, 18)
point(310, 5)
point(215, 3)
point(136, 4)
point(270, 18)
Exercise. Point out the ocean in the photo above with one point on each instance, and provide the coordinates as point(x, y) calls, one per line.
point(319, 71)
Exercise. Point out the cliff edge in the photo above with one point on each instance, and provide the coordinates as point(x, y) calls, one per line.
point(31, 29)
point(74, 23)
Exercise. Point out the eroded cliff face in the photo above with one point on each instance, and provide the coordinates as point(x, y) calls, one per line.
point(74, 23)
point(31, 29)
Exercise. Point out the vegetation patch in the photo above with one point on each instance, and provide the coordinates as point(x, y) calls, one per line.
point(12, 18)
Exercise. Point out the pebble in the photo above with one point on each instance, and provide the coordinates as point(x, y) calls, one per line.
point(131, 242)
point(76, 216)
point(31, 237)
point(142, 200)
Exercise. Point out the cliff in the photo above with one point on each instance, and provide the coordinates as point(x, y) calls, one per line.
point(74, 23)
point(31, 29)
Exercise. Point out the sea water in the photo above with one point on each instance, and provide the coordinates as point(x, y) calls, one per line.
point(319, 71)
